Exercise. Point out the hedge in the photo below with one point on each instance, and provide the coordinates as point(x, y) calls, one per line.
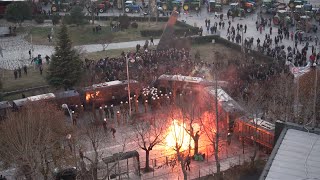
point(177, 32)
point(132, 18)
point(202, 39)
point(179, 29)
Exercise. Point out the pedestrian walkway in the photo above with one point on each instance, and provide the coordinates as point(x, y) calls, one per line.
point(16, 50)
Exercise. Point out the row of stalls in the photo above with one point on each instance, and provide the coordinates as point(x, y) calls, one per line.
point(65, 97)
point(89, 97)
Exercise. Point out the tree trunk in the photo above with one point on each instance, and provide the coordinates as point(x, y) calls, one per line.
point(26, 170)
point(216, 156)
point(147, 168)
point(216, 150)
point(183, 168)
point(253, 157)
point(196, 146)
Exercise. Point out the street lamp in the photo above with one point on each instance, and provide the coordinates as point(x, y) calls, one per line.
point(127, 64)
point(65, 106)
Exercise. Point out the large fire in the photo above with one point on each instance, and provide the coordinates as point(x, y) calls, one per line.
point(177, 135)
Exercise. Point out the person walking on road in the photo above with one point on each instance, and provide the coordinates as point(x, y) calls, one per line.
point(113, 130)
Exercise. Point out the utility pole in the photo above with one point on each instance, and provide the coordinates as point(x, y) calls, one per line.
point(315, 98)
point(216, 149)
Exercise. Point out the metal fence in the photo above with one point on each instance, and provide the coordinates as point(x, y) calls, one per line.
point(168, 167)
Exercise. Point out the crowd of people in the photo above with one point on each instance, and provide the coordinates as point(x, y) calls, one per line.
point(148, 64)
point(272, 45)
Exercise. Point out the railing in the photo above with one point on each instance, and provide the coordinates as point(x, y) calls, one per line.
point(167, 166)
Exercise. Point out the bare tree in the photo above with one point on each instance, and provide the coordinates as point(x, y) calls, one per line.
point(191, 115)
point(31, 139)
point(178, 134)
point(279, 95)
point(308, 96)
point(91, 7)
point(150, 134)
point(256, 106)
point(94, 138)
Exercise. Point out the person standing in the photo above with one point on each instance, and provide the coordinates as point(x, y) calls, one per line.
point(106, 111)
point(151, 41)
point(19, 72)
point(1, 53)
point(104, 124)
point(270, 30)
point(15, 73)
point(25, 69)
point(47, 59)
point(113, 131)
point(245, 28)
point(188, 162)
point(41, 69)
point(29, 53)
point(49, 37)
point(111, 111)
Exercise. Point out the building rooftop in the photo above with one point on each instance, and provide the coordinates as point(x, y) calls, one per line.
point(296, 156)
point(226, 101)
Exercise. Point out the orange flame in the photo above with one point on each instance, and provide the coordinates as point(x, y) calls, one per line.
point(178, 136)
point(92, 95)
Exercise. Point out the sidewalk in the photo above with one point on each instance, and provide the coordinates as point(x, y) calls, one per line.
point(16, 49)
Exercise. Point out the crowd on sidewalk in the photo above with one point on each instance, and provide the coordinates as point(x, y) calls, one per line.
point(272, 44)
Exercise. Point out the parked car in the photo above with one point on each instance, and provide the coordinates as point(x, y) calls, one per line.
point(131, 6)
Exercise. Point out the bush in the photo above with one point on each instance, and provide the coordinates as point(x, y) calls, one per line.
point(135, 18)
point(18, 11)
point(124, 21)
point(180, 29)
point(134, 25)
point(177, 32)
point(55, 19)
point(204, 39)
point(39, 18)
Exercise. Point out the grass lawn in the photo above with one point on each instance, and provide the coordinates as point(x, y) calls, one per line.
point(33, 79)
point(84, 34)
point(108, 53)
point(207, 52)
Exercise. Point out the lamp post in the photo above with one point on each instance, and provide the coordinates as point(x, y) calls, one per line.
point(127, 64)
point(65, 106)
